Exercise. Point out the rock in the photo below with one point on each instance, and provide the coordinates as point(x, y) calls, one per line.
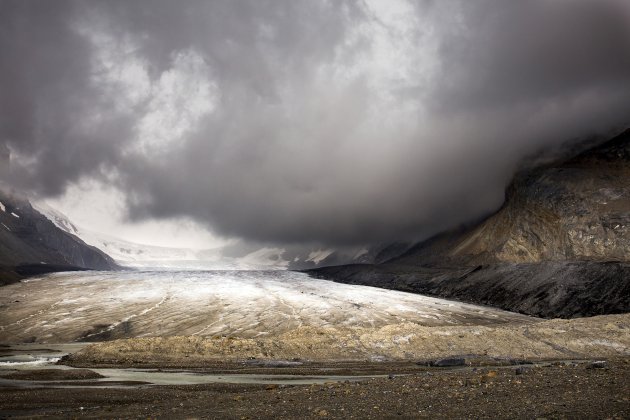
point(521, 370)
point(598, 364)
point(472, 382)
point(520, 362)
point(449, 362)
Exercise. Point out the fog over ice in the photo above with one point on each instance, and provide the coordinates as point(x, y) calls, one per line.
point(331, 122)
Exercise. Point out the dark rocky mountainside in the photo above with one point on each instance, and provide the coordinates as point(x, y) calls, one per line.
point(576, 210)
point(32, 244)
point(559, 246)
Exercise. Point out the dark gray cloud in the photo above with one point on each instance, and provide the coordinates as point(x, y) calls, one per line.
point(305, 121)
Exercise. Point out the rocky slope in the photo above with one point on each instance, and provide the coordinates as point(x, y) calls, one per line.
point(556, 289)
point(575, 210)
point(604, 336)
point(32, 244)
point(559, 246)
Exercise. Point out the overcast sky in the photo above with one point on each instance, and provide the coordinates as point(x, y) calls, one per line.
point(288, 121)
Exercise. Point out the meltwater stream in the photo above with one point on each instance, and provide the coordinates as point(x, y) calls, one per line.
point(26, 358)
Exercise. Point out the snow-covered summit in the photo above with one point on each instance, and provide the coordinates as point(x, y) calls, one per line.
point(234, 256)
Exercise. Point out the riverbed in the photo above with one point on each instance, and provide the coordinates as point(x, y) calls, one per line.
point(38, 361)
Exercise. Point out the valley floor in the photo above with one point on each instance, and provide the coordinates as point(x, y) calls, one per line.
point(587, 375)
point(572, 389)
point(288, 324)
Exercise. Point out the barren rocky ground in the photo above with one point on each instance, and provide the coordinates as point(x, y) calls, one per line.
point(603, 336)
point(498, 371)
point(554, 391)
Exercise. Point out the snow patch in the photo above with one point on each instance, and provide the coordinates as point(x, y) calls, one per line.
point(2, 207)
point(266, 257)
point(15, 215)
point(361, 253)
point(319, 255)
point(58, 219)
point(6, 227)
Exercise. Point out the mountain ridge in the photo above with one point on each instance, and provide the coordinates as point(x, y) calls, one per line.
point(233, 256)
point(577, 210)
point(561, 237)
point(31, 244)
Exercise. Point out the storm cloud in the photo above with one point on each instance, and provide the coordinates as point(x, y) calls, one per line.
point(332, 122)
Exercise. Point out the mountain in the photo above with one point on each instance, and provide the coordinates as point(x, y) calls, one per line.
point(32, 244)
point(237, 255)
point(559, 246)
point(576, 210)
point(136, 255)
